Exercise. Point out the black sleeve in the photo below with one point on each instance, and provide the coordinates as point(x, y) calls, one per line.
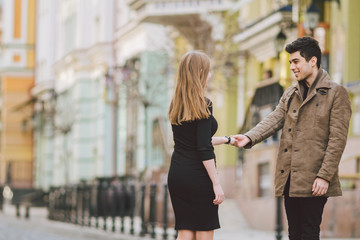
point(204, 146)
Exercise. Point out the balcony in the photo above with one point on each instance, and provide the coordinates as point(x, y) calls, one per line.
point(258, 38)
point(192, 18)
point(175, 12)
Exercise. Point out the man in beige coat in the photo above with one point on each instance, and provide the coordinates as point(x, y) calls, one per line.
point(314, 117)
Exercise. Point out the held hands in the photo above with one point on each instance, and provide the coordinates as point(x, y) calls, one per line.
point(240, 140)
point(219, 194)
point(320, 187)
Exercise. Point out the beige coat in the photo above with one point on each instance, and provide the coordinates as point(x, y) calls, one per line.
point(314, 134)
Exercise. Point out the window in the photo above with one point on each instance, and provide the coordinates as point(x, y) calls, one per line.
point(264, 179)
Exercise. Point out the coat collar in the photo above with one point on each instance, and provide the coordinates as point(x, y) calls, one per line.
point(322, 80)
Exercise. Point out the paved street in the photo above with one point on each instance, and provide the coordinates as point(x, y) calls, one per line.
point(38, 227)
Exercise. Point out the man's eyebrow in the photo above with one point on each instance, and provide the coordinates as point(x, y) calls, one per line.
point(295, 59)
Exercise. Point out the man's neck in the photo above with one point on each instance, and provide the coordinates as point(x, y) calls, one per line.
point(310, 80)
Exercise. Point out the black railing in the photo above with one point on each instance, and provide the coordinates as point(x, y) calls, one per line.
point(1, 197)
point(111, 202)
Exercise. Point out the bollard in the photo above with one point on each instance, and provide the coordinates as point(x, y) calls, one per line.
point(113, 207)
point(98, 195)
point(77, 189)
point(55, 212)
point(89, 197)
point(27, 211)
point(176, 234)
point(66, 205)
point(83, 206)
point(122, 206)
point(18, 210)
point(132, 208)
point(165, 212)
point(104, 203)
point(1, 198)
point(50, 204)
point(153, 209)
point(73, 204)
point(56, 203)
point(278, 218)
point(142, 211)
point(63, 204)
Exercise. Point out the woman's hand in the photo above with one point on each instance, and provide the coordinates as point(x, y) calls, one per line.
point(219, 194)
point(233, 141)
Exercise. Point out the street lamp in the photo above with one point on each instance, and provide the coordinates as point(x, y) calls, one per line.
point(280, 42)
point(312, 17)
point(110, 78)
point(228, 69)
point(279, 46)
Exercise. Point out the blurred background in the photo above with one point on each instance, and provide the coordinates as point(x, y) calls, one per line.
point(86, 85)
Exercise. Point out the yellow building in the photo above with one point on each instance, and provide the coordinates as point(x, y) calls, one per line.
point(338, 34)
point(17, 79)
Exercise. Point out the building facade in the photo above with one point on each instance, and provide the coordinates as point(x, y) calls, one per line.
point(207, 26)
point(17, 78)
point(263, 68)
point(73, 111)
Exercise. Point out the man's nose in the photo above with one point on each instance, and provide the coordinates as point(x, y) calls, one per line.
point(292, 66)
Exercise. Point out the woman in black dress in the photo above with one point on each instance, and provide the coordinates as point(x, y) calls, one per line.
point(193, 182)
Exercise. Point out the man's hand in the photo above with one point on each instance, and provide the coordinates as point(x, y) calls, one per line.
point(241, 140)
point(320, 187)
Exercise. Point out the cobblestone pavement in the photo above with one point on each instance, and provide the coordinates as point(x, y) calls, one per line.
point(38, 227)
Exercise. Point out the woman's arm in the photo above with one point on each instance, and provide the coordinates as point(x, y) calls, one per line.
point(221, 140)
point(218, 191)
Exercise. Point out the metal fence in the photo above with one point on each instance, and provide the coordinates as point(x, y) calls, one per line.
point(86, 203)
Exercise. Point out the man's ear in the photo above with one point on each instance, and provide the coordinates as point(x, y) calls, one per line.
point(313, 61)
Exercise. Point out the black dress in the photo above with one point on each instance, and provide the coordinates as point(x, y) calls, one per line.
point(191, 190)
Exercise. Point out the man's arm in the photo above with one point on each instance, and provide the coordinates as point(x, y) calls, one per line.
point(339, 124)
point(268, 126)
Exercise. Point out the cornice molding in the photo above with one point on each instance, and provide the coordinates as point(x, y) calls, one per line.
point(83, 59)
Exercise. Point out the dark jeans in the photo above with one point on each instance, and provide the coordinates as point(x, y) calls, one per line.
point(304, 216)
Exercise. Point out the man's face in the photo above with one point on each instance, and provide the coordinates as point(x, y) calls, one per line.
point(300, 67)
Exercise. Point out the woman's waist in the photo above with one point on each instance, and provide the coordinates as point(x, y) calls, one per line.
point(186, 155)
point(185, 148)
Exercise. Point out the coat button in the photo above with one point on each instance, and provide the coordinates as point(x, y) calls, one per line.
point(285, 150)
point(289, 129)
point(294, 111)
point(282, 171)
point(317, 104)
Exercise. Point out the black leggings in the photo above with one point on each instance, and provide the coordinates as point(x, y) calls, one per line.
point(304, 215)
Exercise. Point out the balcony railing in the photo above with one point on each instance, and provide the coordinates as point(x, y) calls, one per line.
point(151, 10)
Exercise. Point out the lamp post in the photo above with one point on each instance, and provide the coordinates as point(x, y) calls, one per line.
point(110, 78)
point(279, 42)
point(312, 18)
point(279, 46)
point(130, 74)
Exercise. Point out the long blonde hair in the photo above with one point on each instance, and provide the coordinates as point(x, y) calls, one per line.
point(188, 103)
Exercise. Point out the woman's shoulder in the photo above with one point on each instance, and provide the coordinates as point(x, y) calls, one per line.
point(208, 101)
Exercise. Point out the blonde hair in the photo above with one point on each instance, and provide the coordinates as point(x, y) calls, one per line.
point(188, 103)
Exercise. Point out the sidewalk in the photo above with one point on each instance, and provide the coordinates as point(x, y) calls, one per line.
point(235, 227)
point(38, 227)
